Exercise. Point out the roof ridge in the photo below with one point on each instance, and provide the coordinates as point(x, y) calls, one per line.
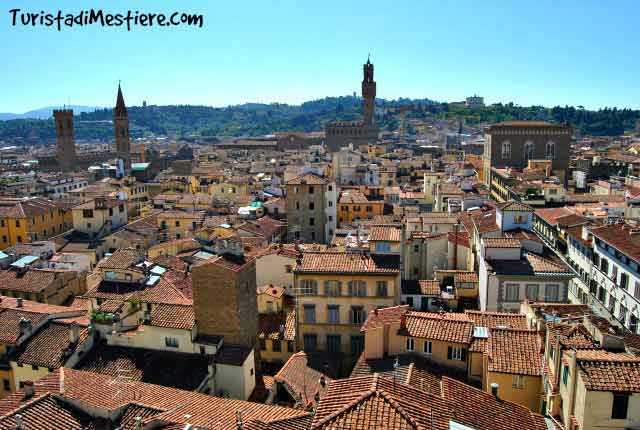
point(350, 405)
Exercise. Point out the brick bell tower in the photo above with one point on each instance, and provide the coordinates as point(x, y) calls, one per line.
point(65, 143)
point(121, 123)
point(368, 93)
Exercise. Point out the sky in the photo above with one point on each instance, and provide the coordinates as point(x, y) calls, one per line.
point(575, 52)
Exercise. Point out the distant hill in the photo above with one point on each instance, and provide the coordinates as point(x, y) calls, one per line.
point(254, 119)
point(44, 113)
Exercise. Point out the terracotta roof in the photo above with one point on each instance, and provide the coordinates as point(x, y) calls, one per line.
point(172, 316)
point(461, 238)
point(176, 407)
point(47, 413)
point(514, 206)
point(515, 351)
point(343, 262)
point(301, 379)
point(443, 326)
point(620, 237)
point(544, 265)
point(501, 242)
point(307, 179)
point(169, 369)
point(498, 319)
point(607, 371)
point(389, 234)
point(121, 259)
point(353, 197)
point(551, 215)
point(33, 281)
point(49, 346)
point(380, 317)
point(570, 336)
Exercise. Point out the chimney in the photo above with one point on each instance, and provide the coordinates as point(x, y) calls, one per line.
point(29, 389)
point(19, 422)
point(25, 326)
point(239, 422)
point(74, 332)
point(323, 381)
point(494, 389)
point(19, 302)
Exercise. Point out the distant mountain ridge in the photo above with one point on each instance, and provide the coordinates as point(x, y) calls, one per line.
point(45, 112)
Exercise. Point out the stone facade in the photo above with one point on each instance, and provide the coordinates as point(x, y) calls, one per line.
point(65, 143)
point(121, 123)
point(341, 133)
point(514, 143)
point(224, 299)
point(311, 209)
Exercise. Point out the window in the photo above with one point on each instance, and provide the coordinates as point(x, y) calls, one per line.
point(263, 345)
point(171, 342)
point(357, 345)
point(19, 239)
point(506, 150)
point(427, 347)
point(332, 288)
point(550, 150)
point(565, 375)
point(416, 248)
point(86, 213)
point(308, 287)
point(512, 293)
point(519, 219)
point(518, 382)
point(312, 221)
point(310, 341)
point(333, 314)
point(311, 190)
point(298, 206)
point(358, 288)
point(624, 280)
point(333, 343)
point(383, 247)
point(309, 314)
point(277, 346)
point(528, 151)
point(620, 406)
point(290, 347)
point(456, 353)
point(604, 265)
point(381, 289)
point(312, 206)
point(357, 315)
point(551, 292)
point(614, 272)
point(6, 384)
point(532, 291)
point(410, 345)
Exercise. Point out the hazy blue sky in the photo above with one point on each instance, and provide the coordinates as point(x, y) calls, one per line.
point(544, 52)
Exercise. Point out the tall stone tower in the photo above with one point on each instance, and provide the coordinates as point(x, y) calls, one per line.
point(65, 143)
point(224, 295)
point(121, 123)
point(368, 93)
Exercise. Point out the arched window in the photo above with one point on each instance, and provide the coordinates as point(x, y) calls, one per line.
point(551, 150)
point(506, 150)
point(528, 151)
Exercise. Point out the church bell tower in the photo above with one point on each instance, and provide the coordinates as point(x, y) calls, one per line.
point(121, 123)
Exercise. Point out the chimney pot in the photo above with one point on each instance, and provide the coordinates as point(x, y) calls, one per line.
point(19, 302)
point(19, 422)
point(494, 389)
point(29, 389)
